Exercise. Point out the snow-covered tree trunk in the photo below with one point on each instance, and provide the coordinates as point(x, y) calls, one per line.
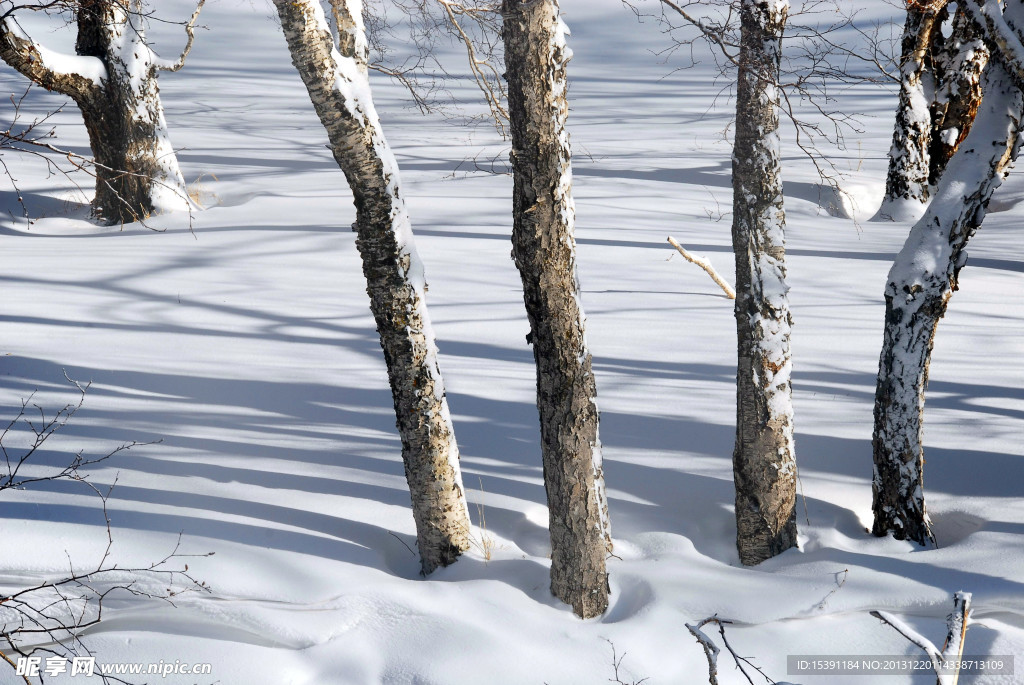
point(958, 65)
point(113, 80)
point(544, 250)
point(906, 183)
point(921, 281)
point(336, 79)
point(764, 463)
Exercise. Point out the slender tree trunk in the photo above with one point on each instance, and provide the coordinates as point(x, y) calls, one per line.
point(906, 184)
point(113, 80)
point(921, 281)
point(544, 250)
point(337, 82)
point(958, 66)
point(764, 462)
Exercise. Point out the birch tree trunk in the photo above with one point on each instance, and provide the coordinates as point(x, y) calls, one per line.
point(544, 250)
point(921, 281)
point(958, 66)
point(337, 82)
point(764, 462)
point(113, 81)
point(906, 184)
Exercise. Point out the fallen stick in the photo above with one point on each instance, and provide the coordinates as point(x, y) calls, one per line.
point(946, 663)
point(703, 263)
point(956, 630)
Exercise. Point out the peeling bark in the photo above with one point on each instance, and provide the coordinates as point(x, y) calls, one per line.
point(136, 169)
point(764, 462)
point(336, 80)
point(921, 281)
point(906, 184)
point(959, 62)
point(544, 251)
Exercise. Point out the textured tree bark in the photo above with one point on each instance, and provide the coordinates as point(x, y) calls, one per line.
point(544, 250)
point(136, 168)
point(906, 184)
point(921, 281)
point(340, 91)
point(764, 462)
point(959, 62)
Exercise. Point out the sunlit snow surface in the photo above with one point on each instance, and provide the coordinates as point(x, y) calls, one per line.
point(246, 346)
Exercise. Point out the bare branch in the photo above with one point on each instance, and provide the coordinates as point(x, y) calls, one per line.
point(190, 30)
point(712, 651)
point(489, 84)
point(50, 617)
point(816, 62)
point(714, 34)
point(710, 648)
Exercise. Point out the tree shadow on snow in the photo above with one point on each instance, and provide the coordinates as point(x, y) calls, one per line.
point(249, 443)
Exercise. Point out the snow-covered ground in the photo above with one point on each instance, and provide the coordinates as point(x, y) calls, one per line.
point(245, 346)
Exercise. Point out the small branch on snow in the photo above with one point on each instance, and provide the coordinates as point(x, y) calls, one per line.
point(403, 543)
point(945, 663)
point(711, 651)
point(710, 648)
point(617, 664)
point(956, 629)
point(703, 263)
point(845, 573)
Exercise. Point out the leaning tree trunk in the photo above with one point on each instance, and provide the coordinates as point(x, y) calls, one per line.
point(959, 62)
point(113, 81)
point(337, 82)
point(764, 462)
point(921, 281)
point(544, 250)
point(906, 184)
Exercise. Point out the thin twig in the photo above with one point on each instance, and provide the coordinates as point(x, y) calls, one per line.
point(403, 543)
point(190, 31)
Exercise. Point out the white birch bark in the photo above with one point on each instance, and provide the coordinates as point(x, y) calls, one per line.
point(906, 184)
point(336, 80)
point(764, 461)
point(921, 281)
point(544, 250)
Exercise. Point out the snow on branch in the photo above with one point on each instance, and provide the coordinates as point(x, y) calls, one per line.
point(711, 650)
point(72, 75)
point(945, 662)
